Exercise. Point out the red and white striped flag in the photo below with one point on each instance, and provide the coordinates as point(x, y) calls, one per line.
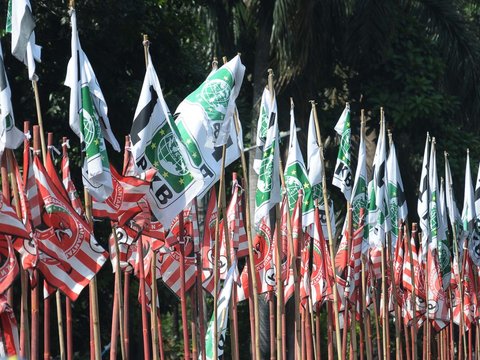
point(11, 224)
point(127, 247)
point(354, 267)
point(243, 285)
point(170, 270)
point(469, 295)
point(9, 341)
point(31, 190)
point(8, 263)
point(69, 243)
point(236, 225)
point(438, 309)
point(263, 256)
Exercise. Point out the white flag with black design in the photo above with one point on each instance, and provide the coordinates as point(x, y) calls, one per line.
point(342, 177)
point(422, 203)
point(268, 108)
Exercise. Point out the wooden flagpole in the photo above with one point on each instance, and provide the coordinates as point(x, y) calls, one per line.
point(329, 331)
point(153, 269)
point(126, 314)
point(201, 316)
point(115, 321)
point(68, 303)
point(255, 336)
point(412, 272)
point(118, 294)
point(24, 325)
point(318, 337)
point(143, 299)
point(193, 322)
point(58, 298)
point(183, 296)
point(308, 334)
point(347, 304)
point(330, 232)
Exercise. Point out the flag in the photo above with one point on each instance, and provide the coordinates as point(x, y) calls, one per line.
point(31, 190)
point(353, 282)
point(314, 161)
point(296, 176)
point(468, 212)
point(396, 195)
point(342, 177)
point(453, 213)
point(154, 143)
point(9, 340)
point(422, 203)
point(67, 181)
point(444, 248)
point(268, 111)
point(377, 194)
point(223, 302)
point(263, 256)
point(10, 136)
point(89, 119)
point(213, 102)
point(437, 300)
point(475, 242)
point(69, 253)
point(21, 26)
point(170, 269)
point(268, 184)
point(236, 225)
point(11, 224)
point(8, 264)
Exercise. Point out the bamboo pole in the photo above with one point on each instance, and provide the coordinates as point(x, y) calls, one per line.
point(255, 336)
point(412, 272)
point(193, 322)
point(126, 318)
point(329, 230)
point(308, 335)
point(201, 316)
point(329, 331)
point(318, 355)
point(119, 295)
point(153, 269)
point(115, 321)
point(143, 300)
point(24, 324)
point(183, 296)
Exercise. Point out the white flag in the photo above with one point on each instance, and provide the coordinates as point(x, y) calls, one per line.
point(268, 109)
point(422, 204)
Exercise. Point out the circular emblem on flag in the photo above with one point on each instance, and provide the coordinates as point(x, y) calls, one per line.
point(444, 258)
point(170, 157)
point(88, 128)
point(265, 179)
point(261, 247)
point(215, 95)
point(293, 186)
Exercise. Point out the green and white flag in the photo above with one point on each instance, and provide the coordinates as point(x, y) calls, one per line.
point(377, 194)
point(268, 183)
point(89, 120)
point(155, 144)
point(468, 211)
point(315, 176)
point(20, 23)
point(213, 102)
point(222, 317)
point(201, 123)
point(422, 203)
point(395, 194)
point(452, 209)
point(10, 136)
point(296, 177)
point(342, 177)
point(444, 248)
point(268, 109)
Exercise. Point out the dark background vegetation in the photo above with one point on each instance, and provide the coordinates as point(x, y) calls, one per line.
point(417, 59)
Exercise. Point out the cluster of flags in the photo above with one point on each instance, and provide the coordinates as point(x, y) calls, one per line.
point(171, 161)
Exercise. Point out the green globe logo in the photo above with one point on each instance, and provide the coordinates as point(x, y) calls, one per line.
point(169, 156)
point(215, 95)
point(293, 186)
point(89, 129)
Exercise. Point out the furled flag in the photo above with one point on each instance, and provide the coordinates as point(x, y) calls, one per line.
point(342, 177)
point(377, 194)
point(396, 195)
point(31, 190)
point(9, 341)
point(268, 184)
point(469, 216)
point(453, 213)
point(69, 253)
point(89, 119)
point(223, 302)
point(422, 203)
point(353, 283)
point(263, 256)
point(438, 309)
point(438, 229)
point(207, 110)
point(475, 242)
point(154, 143)
point(296, 176)
point(444, 248)
point(236, 225)
point(8, 263)
point(268, 110)
point(21, 25)
point(315, 175)
point(67, 180)
point(10, 136)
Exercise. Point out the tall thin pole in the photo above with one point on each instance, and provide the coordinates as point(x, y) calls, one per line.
point(126, 315)
point(183, 299)
point(201, 316)
point(330, 232)
point(153, 270)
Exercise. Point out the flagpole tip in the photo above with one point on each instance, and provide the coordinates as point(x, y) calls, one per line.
point(224, 59)
point(71, 4)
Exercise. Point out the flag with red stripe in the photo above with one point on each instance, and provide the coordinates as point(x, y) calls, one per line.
point(9, 340)
point(68, 183)
point(236, 225)
point(170, 269)
point(31, 190)
point(8, 263)
point(263, 256)
point(438, 309)
point(69, 253)
point(10, 223)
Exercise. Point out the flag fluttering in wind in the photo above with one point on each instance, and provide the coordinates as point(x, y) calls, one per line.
point(22, 25)
point(10, 136)
point(296, 176)
point(342, 177)
point(268, 111)
point(314, 163)
point(154, 143)
point(453, 213)
point(89, 119)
